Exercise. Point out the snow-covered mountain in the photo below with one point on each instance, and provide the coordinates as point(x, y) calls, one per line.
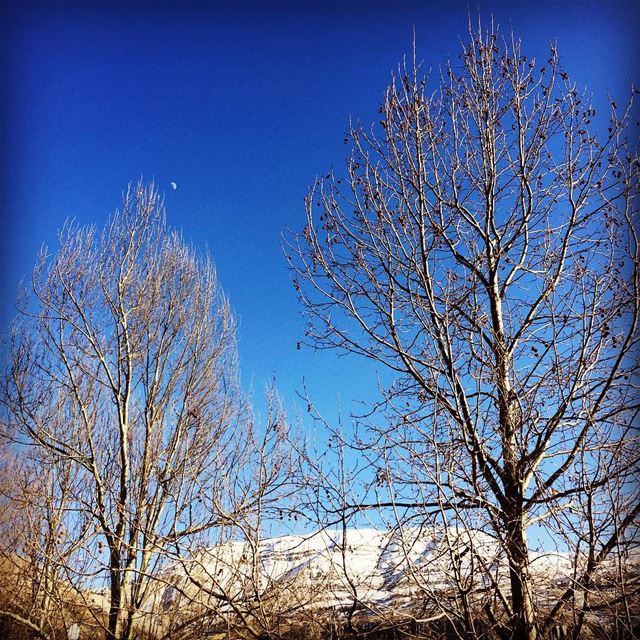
point(384, 570)
point(327, 577)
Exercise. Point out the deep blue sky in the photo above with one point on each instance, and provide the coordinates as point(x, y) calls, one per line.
point(241, 104)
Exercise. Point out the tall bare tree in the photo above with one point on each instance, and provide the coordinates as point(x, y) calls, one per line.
point(482, 248)
point(123, 370)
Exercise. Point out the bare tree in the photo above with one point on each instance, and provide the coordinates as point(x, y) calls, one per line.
point(224, 583)
point(33, 503)
point(482, 249)
point(124, 373)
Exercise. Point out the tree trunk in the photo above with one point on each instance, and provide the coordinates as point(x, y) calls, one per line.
point(119, 613)
point(523, 625)
point(115, 601)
